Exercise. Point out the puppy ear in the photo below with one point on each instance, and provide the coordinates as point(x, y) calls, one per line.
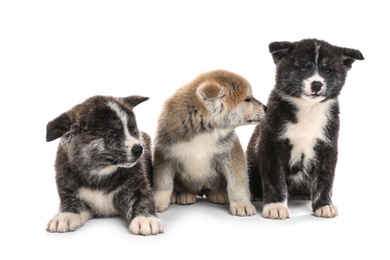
point(58, 127)
point(350, 55)
point(279, 50)
point(133, 101)
point(210, 91)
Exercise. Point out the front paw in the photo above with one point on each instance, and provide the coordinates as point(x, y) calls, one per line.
point(145, 226)
point(327, 212)
point(276, 211)
point(64, 222)
point(218, 197)
point(242, 209)
point(162, 200)
point(185, 198)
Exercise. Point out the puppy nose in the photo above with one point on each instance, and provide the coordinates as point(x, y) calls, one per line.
point(265, 108)
point(316, 86)
point(137, 150)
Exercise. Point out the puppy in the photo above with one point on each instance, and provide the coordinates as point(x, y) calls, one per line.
point(294, 152)
point(197, 151)
point(102, 166)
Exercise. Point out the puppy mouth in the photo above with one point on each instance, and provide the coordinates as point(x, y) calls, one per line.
point(127, 164)
point(313, 97)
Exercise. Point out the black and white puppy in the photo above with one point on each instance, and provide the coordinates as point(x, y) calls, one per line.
point(103, 166)
point(293, 153)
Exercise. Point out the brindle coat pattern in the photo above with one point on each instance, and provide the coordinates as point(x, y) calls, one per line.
point(103, 167)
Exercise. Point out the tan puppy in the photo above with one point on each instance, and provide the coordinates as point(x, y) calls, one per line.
point(197, 151)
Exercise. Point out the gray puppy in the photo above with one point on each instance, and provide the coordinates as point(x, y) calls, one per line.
point(102, 166)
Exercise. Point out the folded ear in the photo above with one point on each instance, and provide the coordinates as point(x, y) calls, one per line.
point(279, 50)
point(210, 91)
point(350, 55)
point(133, 101)
point(58, 127)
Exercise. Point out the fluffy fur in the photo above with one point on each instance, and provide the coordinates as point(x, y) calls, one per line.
point(103, 166)
point(293, 153)
point(197, 151)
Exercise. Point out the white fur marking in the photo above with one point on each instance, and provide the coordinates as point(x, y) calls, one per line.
point(142, 225)
point(105, 170)
point(196, 154)
point(312, 120)
point(129, 140)
point(99, 201)
point(307, 88)
point(64, 222)
point(277, 210)
point(317, 52)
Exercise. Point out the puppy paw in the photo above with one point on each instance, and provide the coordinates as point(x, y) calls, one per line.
point(64, 222)
point(327, 212)
point(276, 211)
point(145, 226)
point(162, 200)
point(185, 198)
point(242, 209)
point(217, 197)
point(174, 197)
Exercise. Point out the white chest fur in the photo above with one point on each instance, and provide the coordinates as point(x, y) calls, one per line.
point(196, 155)
point(100, 202)
point(312, 119)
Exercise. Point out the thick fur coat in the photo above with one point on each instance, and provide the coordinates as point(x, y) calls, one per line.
point(103, 166)
point(197, 151)
point(293, 153)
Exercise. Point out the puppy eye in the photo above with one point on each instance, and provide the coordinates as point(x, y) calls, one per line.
point(327, 70)
point(110, 133)
point(302, 68)
point(248, 99)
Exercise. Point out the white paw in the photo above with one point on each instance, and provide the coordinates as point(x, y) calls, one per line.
point(218, 197)
point(185, 198)
point(145, 226)
point(162, 200)
point(242, 209)
point(64, 222)
point(327, 212)
point(276, 211)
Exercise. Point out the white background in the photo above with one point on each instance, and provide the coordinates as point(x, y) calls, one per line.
point(55, 54)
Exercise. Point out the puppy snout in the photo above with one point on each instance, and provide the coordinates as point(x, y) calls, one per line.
point(137, 150)
point(316, 86)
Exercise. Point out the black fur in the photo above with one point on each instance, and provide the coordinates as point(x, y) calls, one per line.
point(269, 154)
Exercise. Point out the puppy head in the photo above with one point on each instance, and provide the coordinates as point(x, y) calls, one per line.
point(312, 69)
point(228, 99)
point(99, 134)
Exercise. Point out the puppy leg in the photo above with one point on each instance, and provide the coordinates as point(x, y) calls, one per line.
point(136, 205)
point(234, 168)
point(163, 179)
point(275, 194)
point(322, 187)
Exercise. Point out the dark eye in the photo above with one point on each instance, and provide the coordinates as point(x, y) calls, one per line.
point(327, 70)
point(110, 133)
point(302, 68)
point(248, 99)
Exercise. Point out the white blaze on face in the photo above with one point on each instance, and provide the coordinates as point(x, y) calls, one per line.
point(309, 94)
point(129, 140)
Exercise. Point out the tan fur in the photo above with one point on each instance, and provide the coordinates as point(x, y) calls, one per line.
point(197, 150)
